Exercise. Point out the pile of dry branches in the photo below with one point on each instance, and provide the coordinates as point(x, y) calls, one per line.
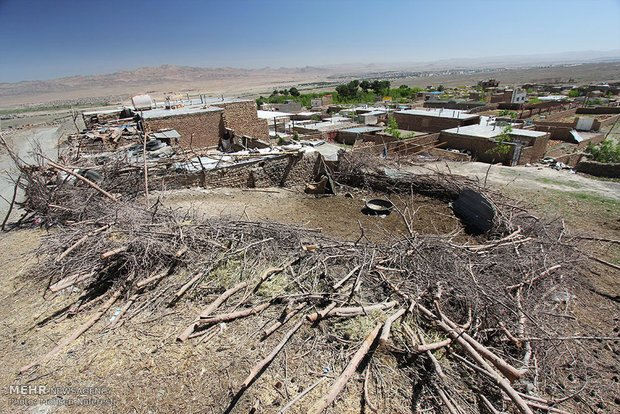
point(489, 309)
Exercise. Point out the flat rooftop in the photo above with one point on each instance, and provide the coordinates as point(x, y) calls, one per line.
point(272, 114)
point(327, 126)
point(362, 130)
point(488, 131)
point(439, 113)
point(372, 113)
point(102, 111)
point(187, 110)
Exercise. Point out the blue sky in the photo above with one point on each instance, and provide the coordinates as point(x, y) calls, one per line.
point(43, 39)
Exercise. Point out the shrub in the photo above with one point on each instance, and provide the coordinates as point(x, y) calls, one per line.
point(606, 151)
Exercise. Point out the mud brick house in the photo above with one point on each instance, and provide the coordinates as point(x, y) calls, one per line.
point(240, 115)
point(525, 145)
point(433, 120)
point(199, 127)
point(514, 96)
point(203, 126)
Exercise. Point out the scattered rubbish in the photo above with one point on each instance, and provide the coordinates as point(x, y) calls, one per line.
point(118, 312)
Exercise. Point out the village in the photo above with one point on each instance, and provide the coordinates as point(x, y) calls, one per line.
point(162, 203)
point(327, 207)
point(550, 125)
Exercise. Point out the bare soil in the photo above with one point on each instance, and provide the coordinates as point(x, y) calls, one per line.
point(142, 369)
point(337, 216)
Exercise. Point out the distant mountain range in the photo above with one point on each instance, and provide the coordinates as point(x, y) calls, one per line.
point(143, 77)
point(129, 81)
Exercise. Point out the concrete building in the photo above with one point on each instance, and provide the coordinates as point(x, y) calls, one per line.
point(434, 120)
point(524, 145)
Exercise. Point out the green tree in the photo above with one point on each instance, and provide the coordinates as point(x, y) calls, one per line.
point(573, 93)
point(380, 87)
point(392, 128)
point(365, 85)
point(293, 92)
point(501, 147)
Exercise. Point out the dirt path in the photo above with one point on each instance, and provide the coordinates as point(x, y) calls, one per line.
point(23, 142)
point(535, 178)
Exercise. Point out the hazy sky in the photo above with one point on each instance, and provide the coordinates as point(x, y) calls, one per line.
point(46, 39)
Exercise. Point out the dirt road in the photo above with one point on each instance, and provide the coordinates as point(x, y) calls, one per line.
point(23, 142)
point(528, 179)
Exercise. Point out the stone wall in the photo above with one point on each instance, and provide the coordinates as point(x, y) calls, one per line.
point(199, 130)
point(242, 118)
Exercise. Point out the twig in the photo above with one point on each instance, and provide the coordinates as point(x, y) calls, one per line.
point(79, 177)
point(210, 320)
point(304, 392)
point(258, 369)
point(76, 334)
point(341, 381)
point(350, 311)
point(11, 204)
point(385, 332)
point(366, 396)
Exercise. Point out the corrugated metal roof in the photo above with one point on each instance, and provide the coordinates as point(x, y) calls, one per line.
point(172, 133)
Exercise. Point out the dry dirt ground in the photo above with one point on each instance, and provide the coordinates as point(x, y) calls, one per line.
point(142, 368)
point(337, 216)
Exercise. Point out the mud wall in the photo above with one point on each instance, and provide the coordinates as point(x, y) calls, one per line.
point(599, 110)
point(284, 171)
point(599, 169)
point(198, 130)
point(412, 122)
point(241, 116)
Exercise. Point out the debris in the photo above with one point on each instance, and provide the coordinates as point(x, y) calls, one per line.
point(379, 206)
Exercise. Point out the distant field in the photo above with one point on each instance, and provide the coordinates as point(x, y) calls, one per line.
point(254, 83)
